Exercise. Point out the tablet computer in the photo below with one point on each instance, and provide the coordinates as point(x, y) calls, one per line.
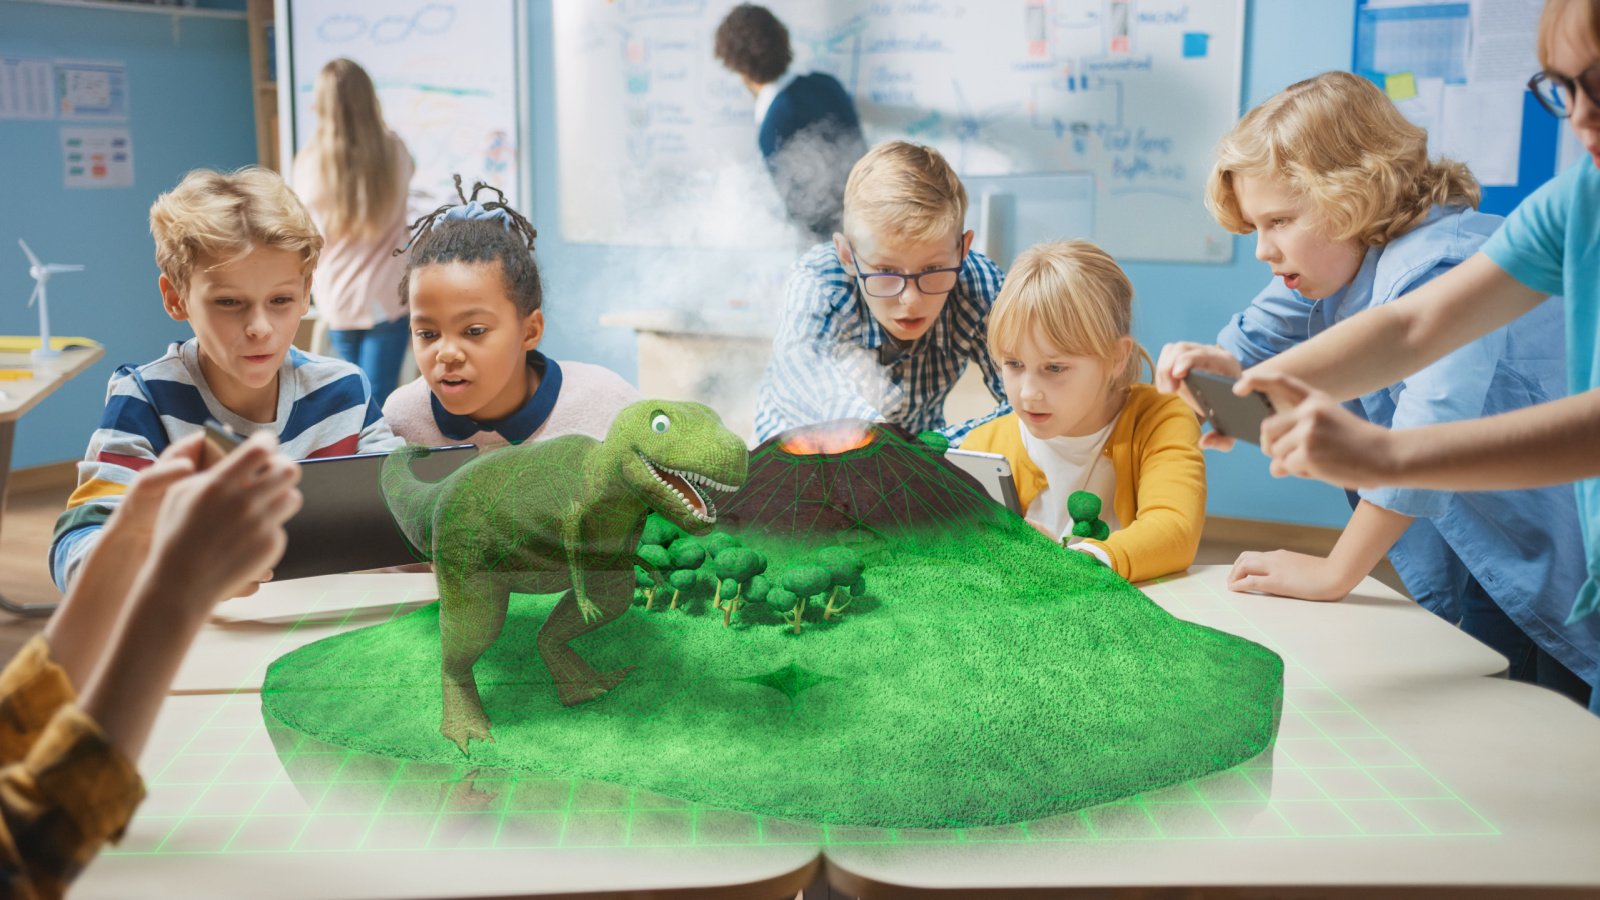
point(993, 471)
point(345, 525)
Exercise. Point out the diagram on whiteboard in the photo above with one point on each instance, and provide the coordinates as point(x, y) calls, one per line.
point(1134, 93)
point(445, 74)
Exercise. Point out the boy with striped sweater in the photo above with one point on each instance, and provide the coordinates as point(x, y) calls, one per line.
point(236, 253)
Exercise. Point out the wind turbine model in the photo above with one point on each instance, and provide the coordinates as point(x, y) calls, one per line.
point(41, 273)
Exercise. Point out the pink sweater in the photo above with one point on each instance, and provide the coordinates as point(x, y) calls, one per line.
point(591, 396)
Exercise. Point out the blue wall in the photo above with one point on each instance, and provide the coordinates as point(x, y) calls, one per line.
point(191, 107)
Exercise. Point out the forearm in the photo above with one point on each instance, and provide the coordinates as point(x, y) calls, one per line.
point(1371, 531)
point(78, 632)
point(155, 632)
point(1384, 344)
point(1552, 443)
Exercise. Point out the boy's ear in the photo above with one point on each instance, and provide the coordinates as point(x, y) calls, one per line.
point(533, 330)
point(843, 249)
point(172, 301)
point(966, 243)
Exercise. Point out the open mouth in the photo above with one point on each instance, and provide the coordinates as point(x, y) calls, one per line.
point(452, 384)
point(692, 489)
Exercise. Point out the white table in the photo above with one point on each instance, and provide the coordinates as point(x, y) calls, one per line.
point(1401, 762)
point(17, 397)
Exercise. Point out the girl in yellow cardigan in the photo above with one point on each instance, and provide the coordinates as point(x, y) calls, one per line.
point(1061, 332)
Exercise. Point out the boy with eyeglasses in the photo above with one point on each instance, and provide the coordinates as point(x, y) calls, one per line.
point(880, 323)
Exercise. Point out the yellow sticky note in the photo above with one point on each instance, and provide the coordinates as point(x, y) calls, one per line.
point(1400, 86)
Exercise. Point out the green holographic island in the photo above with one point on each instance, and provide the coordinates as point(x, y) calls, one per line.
point(929, 659)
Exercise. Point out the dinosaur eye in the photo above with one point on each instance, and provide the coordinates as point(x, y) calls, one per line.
point(660, 423)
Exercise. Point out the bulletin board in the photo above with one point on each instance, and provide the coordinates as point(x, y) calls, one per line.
point(1460, 70)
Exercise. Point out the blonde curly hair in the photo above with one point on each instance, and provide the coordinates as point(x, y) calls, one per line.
point(1338, 140)
point(226, 215)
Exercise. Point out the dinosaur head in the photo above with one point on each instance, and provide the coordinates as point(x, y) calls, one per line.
point(677, 457)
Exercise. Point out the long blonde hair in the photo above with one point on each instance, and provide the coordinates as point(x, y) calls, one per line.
point(354, 154)
point(1073, 296)
point(1338, 140)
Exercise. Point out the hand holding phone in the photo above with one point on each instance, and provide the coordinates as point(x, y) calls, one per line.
point(1229, 414)
point(220, 440)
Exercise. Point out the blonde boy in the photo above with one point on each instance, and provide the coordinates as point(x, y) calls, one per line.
point(236, 252)
point(880, 322)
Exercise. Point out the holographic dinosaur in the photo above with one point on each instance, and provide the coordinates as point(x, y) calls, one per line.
point(563, 514)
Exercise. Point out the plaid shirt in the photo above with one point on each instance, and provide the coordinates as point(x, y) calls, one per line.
point(828, 358)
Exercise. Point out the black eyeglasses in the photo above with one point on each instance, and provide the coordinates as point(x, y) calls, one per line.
point(1556, 91)
point(893, 284)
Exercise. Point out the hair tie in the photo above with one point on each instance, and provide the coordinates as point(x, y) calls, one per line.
point(473, 211)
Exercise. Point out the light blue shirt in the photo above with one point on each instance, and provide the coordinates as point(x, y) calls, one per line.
point(1521, 546)
point(1551, 243)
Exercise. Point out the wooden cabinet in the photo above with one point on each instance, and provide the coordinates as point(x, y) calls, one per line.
point(263, 81)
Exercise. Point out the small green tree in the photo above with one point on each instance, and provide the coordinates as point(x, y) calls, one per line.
point(687, 553)
point(659, 531)
point(1084, 508)
point(735, 567)
point(657, 567)
point(804, 582)
point(684, 582)
point(718, 541)
point(844, 568)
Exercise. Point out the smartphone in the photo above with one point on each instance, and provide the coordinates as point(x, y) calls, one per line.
point(1229, 414)
point(223, 437)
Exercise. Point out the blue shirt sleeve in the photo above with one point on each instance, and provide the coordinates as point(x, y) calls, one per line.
point(1276, 320)
point(1529, 246)
point(1454, 388)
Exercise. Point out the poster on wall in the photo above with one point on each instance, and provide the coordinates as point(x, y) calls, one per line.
point(27, 90)
point(92, 90)
point(97, 157)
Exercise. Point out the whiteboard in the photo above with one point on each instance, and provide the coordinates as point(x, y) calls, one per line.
point(657, 142)
point(446, 73)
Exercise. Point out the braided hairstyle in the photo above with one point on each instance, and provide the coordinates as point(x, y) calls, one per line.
point(478, 232)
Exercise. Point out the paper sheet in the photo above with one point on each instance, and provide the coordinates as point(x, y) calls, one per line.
point(96, 157)
point(27, 90)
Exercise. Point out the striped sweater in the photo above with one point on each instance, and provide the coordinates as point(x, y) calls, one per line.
point(325, 408)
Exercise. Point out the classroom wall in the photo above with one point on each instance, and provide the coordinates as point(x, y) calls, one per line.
point(189, 97)
point(1284, 42)
point(191, 107)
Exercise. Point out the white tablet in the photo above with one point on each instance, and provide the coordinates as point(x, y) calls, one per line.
point(993, 471)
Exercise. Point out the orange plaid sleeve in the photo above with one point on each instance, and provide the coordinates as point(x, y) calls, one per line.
point(71, 793)
point(32, 688)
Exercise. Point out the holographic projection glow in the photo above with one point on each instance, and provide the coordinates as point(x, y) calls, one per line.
point(863, 639)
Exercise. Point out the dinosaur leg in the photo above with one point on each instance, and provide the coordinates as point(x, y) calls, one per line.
point(577, 681)
point(472, 610)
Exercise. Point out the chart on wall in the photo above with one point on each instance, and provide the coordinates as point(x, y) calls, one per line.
point(446, 74)
point(653, 131)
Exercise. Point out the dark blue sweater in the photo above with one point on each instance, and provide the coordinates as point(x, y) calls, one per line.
point(810, 138)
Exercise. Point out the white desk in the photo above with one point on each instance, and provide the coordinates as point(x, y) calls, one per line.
point(16, 398)
point(1400, 762)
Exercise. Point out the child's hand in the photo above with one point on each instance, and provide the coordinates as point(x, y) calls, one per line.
point(1177, 359)
point(1313, 436)
point(1289, 574)
point(220, 529)
point(131, 524)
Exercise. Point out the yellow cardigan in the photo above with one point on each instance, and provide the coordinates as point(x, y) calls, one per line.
point(1161, 480)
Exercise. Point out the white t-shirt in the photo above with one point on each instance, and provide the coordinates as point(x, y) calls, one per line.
point(1069, 464)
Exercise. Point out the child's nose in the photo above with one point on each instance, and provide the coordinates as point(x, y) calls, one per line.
point(1265, 250)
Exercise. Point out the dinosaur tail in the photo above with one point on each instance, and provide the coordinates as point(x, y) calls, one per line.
point(411, 500)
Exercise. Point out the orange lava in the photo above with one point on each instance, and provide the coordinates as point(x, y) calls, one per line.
point(831, 439)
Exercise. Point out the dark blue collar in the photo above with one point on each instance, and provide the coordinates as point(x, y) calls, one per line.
point(520, 425)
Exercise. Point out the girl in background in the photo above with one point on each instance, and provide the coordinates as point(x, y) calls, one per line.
point(353, 176)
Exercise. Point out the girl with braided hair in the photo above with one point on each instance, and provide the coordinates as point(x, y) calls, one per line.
point(476, 316)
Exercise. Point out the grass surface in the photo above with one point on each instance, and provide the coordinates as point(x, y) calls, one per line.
point(987, 678)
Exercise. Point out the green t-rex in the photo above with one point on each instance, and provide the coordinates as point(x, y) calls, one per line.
point(554, 515)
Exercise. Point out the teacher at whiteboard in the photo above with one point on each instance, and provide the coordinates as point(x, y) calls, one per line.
point(353, 176)
point(809, 134)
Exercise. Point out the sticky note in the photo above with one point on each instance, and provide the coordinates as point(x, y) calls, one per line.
point(1400, 86)
point(1195, 44)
